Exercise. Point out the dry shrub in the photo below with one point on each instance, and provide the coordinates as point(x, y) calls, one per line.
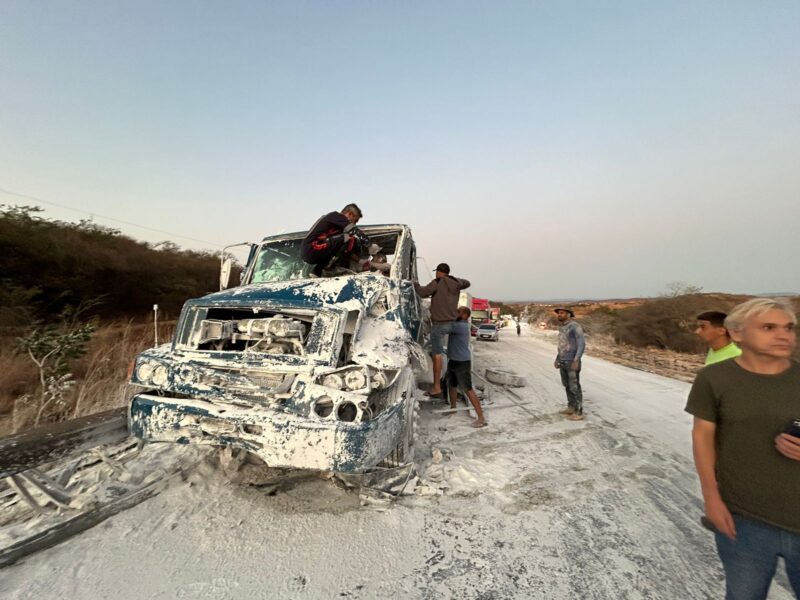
point(602, 321)
point(18, 376)
point(101, 375)
point(669, 323)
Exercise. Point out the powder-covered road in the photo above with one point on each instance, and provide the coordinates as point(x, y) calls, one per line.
point(533, 506)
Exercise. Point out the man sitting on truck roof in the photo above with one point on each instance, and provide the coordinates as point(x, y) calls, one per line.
point(329, 243)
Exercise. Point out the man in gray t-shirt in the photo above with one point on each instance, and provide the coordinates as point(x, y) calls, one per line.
point(459, 365)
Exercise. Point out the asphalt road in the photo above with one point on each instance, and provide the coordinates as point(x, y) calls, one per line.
point(533, 506)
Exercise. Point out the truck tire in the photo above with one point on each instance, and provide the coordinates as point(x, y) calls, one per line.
point(501, 377)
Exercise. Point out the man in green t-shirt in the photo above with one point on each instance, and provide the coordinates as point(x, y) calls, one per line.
point(711, 329)
point(748, 463)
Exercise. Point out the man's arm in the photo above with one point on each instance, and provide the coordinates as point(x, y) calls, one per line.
point(705, 461)
point(462, 283)
point(580, 346)
point(337, 219)
point(580, 342)
point(426, 290)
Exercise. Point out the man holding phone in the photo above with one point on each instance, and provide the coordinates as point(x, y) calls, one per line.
point(747, 448)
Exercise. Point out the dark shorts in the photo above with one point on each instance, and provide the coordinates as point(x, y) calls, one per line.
point(459, 374)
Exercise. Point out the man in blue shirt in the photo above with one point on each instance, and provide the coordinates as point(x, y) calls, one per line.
point(571, 345)
point(459, 365)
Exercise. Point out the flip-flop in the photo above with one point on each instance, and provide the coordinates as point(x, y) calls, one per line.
point(429, 395)
point(478, 425)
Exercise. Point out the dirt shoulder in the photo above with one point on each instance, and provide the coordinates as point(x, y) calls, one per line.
point(675, 365)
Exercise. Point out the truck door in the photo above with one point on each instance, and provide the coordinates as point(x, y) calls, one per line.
point(410, 306)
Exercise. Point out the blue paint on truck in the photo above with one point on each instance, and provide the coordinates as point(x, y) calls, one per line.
point(277, 366)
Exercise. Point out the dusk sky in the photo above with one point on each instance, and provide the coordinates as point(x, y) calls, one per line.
point(543, 149)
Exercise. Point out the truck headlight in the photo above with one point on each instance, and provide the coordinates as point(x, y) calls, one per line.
point(144, 371)
point(348, 379)
point(160, 376)
point(150, 372)
point(333, 380)
point(355, 379)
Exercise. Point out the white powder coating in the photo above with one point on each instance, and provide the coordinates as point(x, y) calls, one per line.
point(385, 344)
point(325, 290)
point(532, 506)
point(270, 406)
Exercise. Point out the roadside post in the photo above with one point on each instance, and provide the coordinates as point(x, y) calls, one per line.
point(155, 324)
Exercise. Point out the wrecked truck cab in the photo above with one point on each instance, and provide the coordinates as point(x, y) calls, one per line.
point(303, 373)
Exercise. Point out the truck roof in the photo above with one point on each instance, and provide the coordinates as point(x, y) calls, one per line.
point(365, 228)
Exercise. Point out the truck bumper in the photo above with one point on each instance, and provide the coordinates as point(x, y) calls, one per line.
point(281, 439)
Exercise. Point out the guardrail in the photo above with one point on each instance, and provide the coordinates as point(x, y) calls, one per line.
point(51, 446)
point(28, 450)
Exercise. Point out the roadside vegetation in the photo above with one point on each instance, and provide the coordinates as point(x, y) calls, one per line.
point(50, 266)
point(76, 308)
point(76, 305)
point(656, 334)
point(93, 380)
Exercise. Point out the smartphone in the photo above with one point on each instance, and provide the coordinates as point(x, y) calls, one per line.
point(793, 428)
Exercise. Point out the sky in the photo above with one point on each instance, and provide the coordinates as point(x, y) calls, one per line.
point(543, 149)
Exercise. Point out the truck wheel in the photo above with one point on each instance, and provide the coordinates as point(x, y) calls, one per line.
point(501, 377)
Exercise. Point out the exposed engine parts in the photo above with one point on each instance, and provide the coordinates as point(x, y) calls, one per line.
point(278, 334)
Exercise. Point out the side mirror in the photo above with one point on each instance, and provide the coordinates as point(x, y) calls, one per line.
point(226, 264)
point(225, 273)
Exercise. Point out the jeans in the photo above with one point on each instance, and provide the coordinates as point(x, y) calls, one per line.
point(751, 560)
point(440, 330)
point(571, 380)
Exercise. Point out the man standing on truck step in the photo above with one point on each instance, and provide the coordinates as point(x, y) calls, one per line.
point(711, 329)
point(571, 344)
point(746, 442)
point(443, 292)
point(329, 239)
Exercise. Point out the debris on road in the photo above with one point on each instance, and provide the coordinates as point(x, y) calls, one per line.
point(504, 377)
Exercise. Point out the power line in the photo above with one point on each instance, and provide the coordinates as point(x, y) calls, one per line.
point(92, 214)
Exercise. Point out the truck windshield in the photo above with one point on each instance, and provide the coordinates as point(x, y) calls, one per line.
point(280, 261)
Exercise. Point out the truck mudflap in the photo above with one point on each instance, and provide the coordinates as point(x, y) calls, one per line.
point(279, 438)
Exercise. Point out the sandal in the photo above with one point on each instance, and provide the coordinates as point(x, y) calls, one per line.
point(479, 424)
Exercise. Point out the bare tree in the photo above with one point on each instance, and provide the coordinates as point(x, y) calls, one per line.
point(680, 288)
